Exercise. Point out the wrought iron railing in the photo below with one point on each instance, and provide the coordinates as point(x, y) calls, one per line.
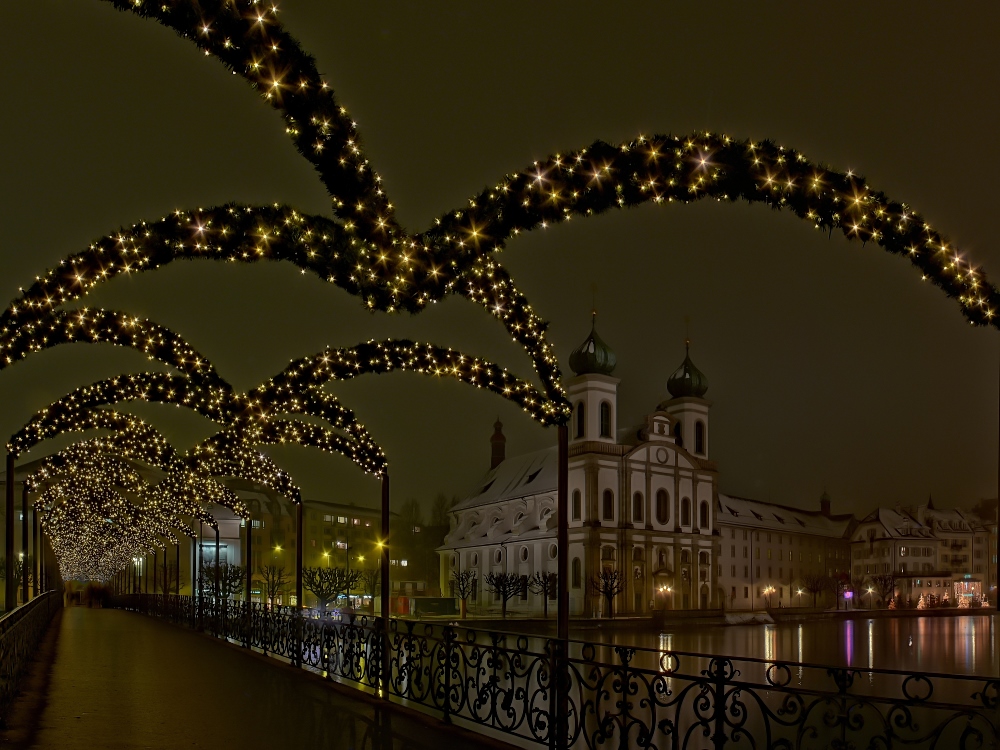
point(21, 630)
point(615, 697)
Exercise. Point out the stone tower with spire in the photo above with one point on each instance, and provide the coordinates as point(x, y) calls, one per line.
point(687, 403)
point(593, 392)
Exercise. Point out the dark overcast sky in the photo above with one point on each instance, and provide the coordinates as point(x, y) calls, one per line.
point(830, 364)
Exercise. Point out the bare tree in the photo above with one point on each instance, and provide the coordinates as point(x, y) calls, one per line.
point(608, 584)
point(838, 583)
point(231, 578)
point(411, 515)
point(504, 586)
point(370, 579)
point(440, 508)
point(329, 583)
point(274, 579)
point(814, 583)
point(857, 586)
point(167, 581)
point(884, 585)
point(22, 566)
point(463, 583)
point(543, 584)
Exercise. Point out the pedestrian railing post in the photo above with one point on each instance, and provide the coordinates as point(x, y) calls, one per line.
point(448, 645)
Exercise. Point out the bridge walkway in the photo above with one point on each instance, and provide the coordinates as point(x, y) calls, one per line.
point(118, 679)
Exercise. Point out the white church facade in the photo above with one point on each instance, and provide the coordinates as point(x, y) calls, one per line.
point(642, 501)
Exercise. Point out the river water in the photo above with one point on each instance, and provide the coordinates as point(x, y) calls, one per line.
point(966, 645)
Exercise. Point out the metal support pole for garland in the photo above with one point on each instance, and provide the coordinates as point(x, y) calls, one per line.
point(298, 584)
point(25, 569)
point(201, 589)
point(248, 566)
point(216, 590)
point(385, 666)
point(10, 593)
point(34, 548)
point(177, 562)
point(561, 675)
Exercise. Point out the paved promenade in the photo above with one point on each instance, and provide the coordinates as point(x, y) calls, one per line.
point(122, 680)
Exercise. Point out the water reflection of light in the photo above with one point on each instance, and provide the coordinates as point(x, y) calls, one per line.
point(770, 641)
point(666, 663)
point(871, 651)
point(849, 641)
point(798, 638)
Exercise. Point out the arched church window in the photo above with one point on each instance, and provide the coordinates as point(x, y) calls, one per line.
point(686, 512)
point(661, 560)
point(576, 572)
point(703, 516)
point(703, 558)
point(685, 556)
point(637, 507)
point(577, 505)
point(699, 437)
point(678, 436)
point(637, 555)
point(607, 553)
point(605, 419)
point(580, 418)
point(662, 502)
point(608, 511)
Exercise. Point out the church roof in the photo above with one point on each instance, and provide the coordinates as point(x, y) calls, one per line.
point(520, 476)
point(756, 514)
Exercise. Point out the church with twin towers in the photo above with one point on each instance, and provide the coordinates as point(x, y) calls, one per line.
point(641, 501)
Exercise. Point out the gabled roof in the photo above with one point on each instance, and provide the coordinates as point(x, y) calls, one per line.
point(898, 524)
point(520, 476)
point(781, 518)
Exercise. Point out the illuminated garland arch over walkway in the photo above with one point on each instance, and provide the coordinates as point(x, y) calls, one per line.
point(369, 255)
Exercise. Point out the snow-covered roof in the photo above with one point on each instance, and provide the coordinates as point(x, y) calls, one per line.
point(520, 476)
point(898, 524)
point(782, 518)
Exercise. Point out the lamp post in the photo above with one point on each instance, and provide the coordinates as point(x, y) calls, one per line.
point(869, 591)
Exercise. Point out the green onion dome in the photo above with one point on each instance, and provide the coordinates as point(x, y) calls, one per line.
point(593, 355)
point(688, 380)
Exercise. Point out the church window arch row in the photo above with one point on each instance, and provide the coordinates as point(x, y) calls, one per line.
point(608, 505)
point(580, 417)
point(577, 505)
point(524, 554)
point(699, 438)
point(686, 511)
point(637, 507)
point(686, 556)
point(703, 515)
point(662, 506)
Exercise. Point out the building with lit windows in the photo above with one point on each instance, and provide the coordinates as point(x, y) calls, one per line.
point(641, 500)
point(768, 551)
point(940, 553)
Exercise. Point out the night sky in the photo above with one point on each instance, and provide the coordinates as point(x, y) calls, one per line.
point(830, 365)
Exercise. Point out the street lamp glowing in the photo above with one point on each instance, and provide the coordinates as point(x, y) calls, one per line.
point(361, 558)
